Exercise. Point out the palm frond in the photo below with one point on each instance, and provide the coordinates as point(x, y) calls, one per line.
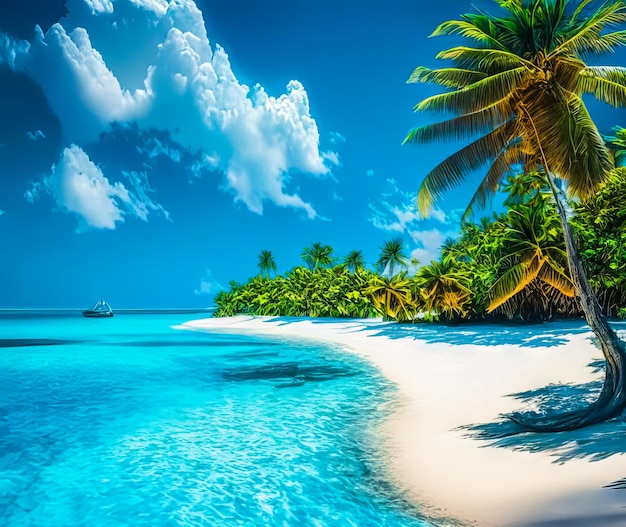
point(448, 77)
point(475, 97)
point(455, 168)
point(485, 60)
point(602, 89)
point(501, 166)
point(556, 278)
point(465, 126)
point(603, 44)
point(577, 151)
point(470, 28)
point(582, 34)
point(513, 281)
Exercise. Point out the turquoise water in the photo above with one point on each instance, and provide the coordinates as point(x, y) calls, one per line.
point(127, 422)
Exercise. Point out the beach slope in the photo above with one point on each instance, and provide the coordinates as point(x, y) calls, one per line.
point(454, 384)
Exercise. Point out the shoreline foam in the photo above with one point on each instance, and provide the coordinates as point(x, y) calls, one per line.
point(446, 386)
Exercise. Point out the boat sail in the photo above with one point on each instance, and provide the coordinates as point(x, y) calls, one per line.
point(101, 309)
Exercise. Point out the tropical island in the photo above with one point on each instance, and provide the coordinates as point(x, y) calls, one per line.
point(515, 98)
point(426, 320)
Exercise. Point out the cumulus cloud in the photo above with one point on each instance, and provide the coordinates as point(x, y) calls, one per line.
point(369, 173)
point(187, 87)
point(208, 285)
point(79, 187)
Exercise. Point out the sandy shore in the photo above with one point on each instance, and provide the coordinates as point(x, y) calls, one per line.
point(455, 377)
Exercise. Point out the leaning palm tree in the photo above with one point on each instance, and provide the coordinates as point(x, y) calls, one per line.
point(519, 90)
point(354, 261)
point(392, 254)
point(318, 255)
point(266, 263)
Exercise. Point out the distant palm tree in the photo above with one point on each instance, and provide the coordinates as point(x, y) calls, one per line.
point(318, 255)
point(266, 263)
point(392, 255)
point(354, 261)
point(517, 95)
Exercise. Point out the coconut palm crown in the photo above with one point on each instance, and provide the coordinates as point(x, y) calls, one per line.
point(517, 95)
point(392, 256)
point(318, 255)
point(354, 261)
point(266, 263)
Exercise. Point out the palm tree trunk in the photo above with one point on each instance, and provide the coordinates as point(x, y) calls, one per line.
point(612, 399)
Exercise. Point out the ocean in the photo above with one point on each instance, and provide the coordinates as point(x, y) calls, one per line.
point(129, 422)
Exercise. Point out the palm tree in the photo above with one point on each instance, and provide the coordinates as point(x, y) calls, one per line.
point(443, 289)
point(354, 261)
point(318, 255)
point(392, 255)
point(534, 261)
point(393, 297)
point(266, 263)
point(519, 89)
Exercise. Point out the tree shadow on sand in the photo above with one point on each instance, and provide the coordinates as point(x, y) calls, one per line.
point(550, 334)
point(593, 443)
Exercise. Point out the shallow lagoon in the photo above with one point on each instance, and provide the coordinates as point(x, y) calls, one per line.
point(126, 421)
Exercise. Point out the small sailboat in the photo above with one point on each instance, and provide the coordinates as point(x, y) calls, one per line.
point(100, 310)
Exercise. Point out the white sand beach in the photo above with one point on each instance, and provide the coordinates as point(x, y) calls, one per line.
point(454, 377)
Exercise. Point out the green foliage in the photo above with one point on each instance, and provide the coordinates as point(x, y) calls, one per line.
point(324, 292)
point(394, 297)
point(509, 265)
point(318, 255)
point(600, 224)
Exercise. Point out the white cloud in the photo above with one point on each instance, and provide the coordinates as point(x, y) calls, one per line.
point(337, 197)
point(332, 158)
point(369, 173)
point(258, 141)
point(396, 211)
point(139, 200)
point(100, 6)
point(12, 52)
point(208, 285)
point(429, 244)
point(336, 138)
point(37, 134)
point(1, 212)
point(79, 187)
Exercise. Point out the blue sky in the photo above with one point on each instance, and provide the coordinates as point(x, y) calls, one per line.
point(151, 149)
